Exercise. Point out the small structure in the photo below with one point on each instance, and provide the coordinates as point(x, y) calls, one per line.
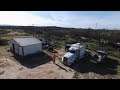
point(25, 45)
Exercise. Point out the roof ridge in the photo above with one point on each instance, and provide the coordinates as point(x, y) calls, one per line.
point(24, 36)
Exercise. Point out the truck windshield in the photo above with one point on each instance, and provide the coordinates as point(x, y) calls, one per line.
point(72, 51)
point(100, 53)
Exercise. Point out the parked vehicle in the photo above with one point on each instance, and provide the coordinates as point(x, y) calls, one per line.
point(75, 52)
point(99, 56)
point(87, 53)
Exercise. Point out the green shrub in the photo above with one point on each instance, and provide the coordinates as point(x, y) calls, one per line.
point(114, 53)
point(76, 75)
point(92, 46)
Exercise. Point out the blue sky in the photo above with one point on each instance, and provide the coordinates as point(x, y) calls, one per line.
point(74, 19)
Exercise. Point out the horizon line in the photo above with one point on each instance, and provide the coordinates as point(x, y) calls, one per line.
point(33, 25)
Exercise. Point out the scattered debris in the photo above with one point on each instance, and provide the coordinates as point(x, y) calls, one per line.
point(21, 68)
point(2, 72)
point(4, 62)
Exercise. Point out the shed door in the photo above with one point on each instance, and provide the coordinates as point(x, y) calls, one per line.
point(13, 48)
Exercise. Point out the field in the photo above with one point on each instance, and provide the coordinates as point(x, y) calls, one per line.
point(41, 66)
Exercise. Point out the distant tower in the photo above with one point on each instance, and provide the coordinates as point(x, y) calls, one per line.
point(89, 27)
point(33, 30)
point(96, 26)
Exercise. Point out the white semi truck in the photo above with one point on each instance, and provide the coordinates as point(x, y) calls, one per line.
point(75, 52)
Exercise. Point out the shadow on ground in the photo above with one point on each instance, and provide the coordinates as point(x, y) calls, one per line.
point(108, 66)
point(35, 60)
point(61, 67)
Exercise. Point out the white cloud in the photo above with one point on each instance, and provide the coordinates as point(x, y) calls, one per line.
point(64, 18)
point(22, 18)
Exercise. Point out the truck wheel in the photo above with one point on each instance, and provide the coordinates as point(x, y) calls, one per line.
point(71, 64)
point(75, 61)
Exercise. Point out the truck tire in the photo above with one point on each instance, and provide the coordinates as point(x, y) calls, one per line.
point(75, 61)
point(71, 65)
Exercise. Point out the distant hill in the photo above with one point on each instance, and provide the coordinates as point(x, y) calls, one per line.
point(42, 27)
point(31, 27)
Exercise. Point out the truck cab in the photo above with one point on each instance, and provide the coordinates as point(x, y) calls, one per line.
point(75, 52)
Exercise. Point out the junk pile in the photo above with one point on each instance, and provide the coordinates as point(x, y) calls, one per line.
point(50, 47)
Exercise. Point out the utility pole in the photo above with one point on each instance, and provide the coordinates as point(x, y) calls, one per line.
point(89, 27)
point(96, 26)
point(33, 30)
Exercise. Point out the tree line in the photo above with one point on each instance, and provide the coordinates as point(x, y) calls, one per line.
point(60, 33)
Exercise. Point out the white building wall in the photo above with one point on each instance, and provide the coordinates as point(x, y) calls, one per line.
point(31, 49)
point(11, 46)
point(20, 51)
point(16, 48)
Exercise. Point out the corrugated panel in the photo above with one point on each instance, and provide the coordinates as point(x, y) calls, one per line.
point(32, 49)
point(24, 41)
point(11, 46)
point(20, 51)
point(16, 48)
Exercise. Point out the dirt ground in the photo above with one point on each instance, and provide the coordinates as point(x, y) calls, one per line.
point(11, 68)
point(42, 67)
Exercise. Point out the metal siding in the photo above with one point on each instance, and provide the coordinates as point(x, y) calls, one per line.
point(20, 51)
point(16, 49)
point(11, 46)
point(32, 49)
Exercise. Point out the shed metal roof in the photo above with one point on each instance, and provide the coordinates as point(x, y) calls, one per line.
point(25, 41)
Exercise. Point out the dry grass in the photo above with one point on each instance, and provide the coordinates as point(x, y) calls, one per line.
point(2, 72)
point(11, 35)
point(4, 62)
point(3, 50)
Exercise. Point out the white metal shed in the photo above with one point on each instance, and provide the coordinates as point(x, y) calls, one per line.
point(25, 45)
